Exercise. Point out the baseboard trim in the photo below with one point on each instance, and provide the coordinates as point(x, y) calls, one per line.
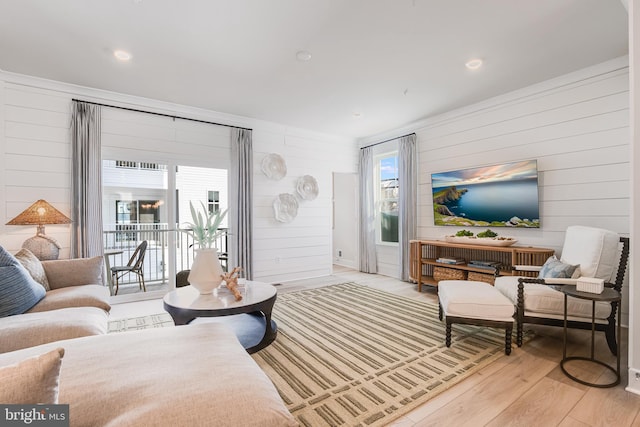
point(634, 381)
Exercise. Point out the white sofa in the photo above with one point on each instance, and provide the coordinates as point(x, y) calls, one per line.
point(76, 305)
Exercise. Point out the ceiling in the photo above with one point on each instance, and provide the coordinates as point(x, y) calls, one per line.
point(376, 64)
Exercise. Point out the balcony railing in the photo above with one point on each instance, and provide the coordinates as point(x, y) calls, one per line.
point(126, 237)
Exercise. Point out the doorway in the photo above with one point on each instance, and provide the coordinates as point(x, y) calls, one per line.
point(345, 220)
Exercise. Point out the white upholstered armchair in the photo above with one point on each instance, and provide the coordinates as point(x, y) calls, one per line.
point(587, 252)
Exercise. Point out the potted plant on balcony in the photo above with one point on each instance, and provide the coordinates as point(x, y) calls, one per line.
point(206, 271)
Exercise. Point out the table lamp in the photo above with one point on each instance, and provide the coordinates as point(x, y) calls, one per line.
point(41, 213)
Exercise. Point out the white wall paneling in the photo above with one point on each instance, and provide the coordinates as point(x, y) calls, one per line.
point(575, 126)
point(303, 247)
point(634, 294)
point(35, 152)
point(36, 157)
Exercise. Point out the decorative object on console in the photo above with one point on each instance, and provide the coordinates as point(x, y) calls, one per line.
point(41, 213)
point(307, 187)
point(274, 166)
point(285, 207)
point(485, 238)
point(440, 273)
point(206, 271)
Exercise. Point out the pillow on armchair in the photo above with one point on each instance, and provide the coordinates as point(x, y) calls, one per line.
point(18, 291)
point(554, 268)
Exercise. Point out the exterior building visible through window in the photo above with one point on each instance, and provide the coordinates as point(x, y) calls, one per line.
point(213, 203)
point(388, 198)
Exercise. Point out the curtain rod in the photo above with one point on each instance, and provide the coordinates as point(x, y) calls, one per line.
point(161, 114)
point(387, 140)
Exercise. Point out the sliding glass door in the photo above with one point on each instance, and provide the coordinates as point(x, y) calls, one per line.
point(149, 202)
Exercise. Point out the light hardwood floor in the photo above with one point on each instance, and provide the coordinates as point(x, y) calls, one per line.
point(526, 388)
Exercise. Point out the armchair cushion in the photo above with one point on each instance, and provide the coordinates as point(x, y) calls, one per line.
point(555, 268)
point(595, 250)
point(18, 291)
point(544, 300)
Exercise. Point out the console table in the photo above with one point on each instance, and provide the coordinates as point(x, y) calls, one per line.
point(513, 260)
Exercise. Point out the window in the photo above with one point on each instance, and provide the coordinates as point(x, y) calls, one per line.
point(213, 201)
point(139, 165)
point(387, 179)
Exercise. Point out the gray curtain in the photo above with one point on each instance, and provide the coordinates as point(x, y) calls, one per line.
point(86, 181)
point(240, 208)
point(407, 200)
point(368, 261)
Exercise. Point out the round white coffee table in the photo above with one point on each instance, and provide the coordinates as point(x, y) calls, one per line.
point(250, 317)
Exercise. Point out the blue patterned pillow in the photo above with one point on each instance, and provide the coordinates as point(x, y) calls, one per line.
point(18, 291)
point(554, 268)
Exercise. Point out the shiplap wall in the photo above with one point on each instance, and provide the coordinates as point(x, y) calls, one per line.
point(35, 154)
point(35, 159)
point(301, 248)
point(576, 126)
point(578, 133)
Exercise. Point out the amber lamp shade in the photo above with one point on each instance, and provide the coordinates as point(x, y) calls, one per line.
point(41, 213)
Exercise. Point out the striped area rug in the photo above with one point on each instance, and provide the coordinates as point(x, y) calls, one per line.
point(350, 355)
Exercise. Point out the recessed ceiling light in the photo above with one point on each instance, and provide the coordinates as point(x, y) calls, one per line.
point(303, 55)
point(122, 55)
point(357, 115)
point(474, 64)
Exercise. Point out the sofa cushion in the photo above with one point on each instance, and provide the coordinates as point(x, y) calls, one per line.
point(33, 266)
point(18, 291)
point(196, 375)
point(74, 272)
point(74, 296)
point(31, 329)
point(33, 380)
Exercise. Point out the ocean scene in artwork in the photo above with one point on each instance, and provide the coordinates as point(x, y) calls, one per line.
point(503, 195)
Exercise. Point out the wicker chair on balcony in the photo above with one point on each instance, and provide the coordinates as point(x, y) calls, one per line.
point(588, 252)
point(134, 266)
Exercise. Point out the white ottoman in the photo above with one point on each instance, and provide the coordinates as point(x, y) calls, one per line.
point(475, 303)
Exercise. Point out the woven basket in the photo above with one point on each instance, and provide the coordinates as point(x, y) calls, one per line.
point(442, 273)
point(482, 277)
